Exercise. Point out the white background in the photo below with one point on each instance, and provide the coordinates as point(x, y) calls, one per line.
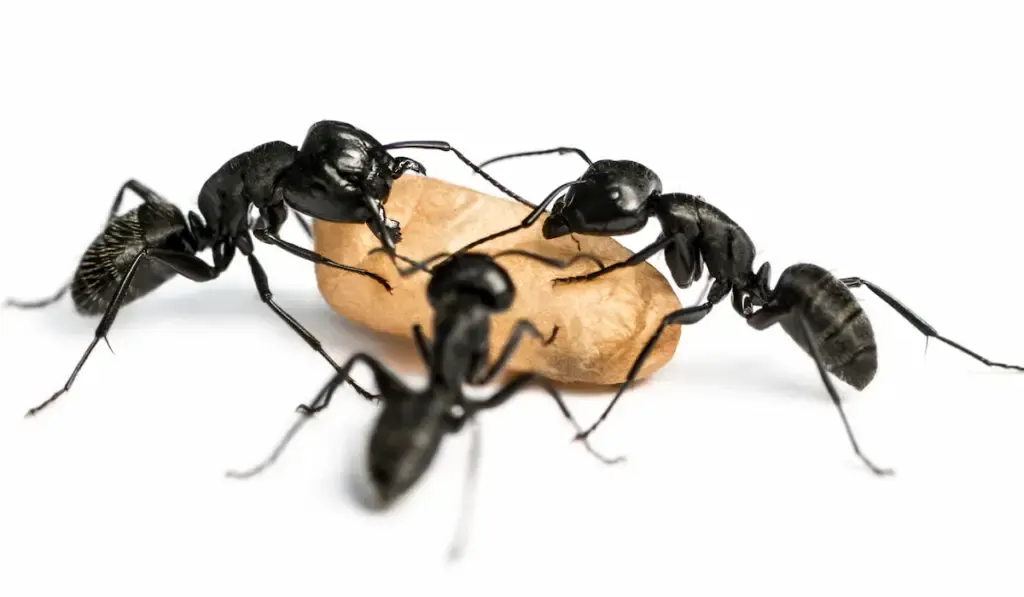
point(882, 140)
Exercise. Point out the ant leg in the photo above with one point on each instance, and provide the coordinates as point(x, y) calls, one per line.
point(38, 303)
point(520, 383)
point(684, 316)
point(273, 239)
point(636, 259)
point(920, 324)
point(458, 544)
point(144, 192)
point(834, 395)
point(445, 146)
point(390, 387)
point(259, 275)
point(521, 327)
point(527, 221)
point(524, 154)
point(422, 346)
point(187, 265)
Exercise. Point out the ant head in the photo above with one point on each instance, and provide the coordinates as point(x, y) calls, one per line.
point(472, 274)
point(611, 198)
point(337, 169)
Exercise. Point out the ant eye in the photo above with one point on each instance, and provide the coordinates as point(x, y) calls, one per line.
point(614, 195)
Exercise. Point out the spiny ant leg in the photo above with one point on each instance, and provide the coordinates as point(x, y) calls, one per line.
point(527, 221)
point(322, 400)
point(920, 324)
point(521, 327)
point(187, 265)
point(458, 544)
point(834, 395)
point(308, 255)
point(524, 154)
point(684, 316)
point(445, 146)
point(636, 259)
point(259, 275)
point(519, 384)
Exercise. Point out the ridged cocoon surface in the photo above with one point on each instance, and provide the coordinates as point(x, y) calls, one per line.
point(603, 324)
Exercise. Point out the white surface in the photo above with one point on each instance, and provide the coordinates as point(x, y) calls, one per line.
point(879, 140)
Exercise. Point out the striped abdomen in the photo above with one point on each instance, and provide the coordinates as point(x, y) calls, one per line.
point(840, 327)
point(112, 252)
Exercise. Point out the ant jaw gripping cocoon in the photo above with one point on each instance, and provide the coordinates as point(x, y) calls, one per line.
point(598, 323)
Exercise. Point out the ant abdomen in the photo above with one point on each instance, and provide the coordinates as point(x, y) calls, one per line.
point(109, 257)
point(838, 324)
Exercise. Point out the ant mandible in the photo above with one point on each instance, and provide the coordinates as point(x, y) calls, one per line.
point(339, 174)
point(465, 291)
point(817, 310)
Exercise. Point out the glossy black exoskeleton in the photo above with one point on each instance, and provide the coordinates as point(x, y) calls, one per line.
point(465, 291)
point(339, 174)
point(817, 310)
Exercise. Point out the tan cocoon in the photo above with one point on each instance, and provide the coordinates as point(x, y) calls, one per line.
point(603, 324)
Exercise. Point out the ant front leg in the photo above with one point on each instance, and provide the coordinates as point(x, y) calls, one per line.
point(636, 259)
point(921, 325)
point(259, 276)
point(144, 192)
point(521, 383)
point(521, 327)
point(685, 316)
point(185, 264)
point(388, 384)
point(273, 239)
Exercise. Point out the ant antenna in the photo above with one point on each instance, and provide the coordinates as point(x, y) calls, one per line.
point(424, 266)
point(444, 146)
point(557, 263)
point(458, 544)
point(527, 221)
point(524, 154)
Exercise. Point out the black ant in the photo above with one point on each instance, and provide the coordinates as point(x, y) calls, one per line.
point(340, 174)
point(465, 290)
point(816, 309)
